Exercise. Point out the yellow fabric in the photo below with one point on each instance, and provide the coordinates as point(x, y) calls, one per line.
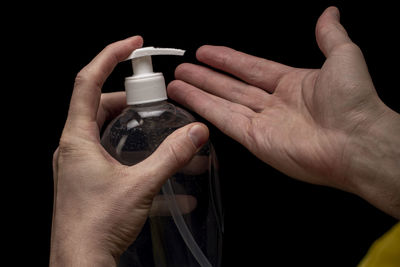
point(384, 252)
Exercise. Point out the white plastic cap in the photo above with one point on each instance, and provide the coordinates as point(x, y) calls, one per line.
point(145, 86)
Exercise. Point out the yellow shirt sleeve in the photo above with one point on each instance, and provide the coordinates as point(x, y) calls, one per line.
point(384, 252)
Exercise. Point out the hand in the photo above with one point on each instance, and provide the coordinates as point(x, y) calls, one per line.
point(325, 126)
point(99, 204)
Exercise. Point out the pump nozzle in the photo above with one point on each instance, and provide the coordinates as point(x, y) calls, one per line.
point(152, 51)
point(145, 86)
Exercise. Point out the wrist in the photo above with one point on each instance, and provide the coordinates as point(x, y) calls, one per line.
point(374, 164)
point(72, 245)
point(81, 258)
point(76, 252)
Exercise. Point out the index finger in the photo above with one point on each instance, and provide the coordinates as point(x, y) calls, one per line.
point(256, 71)
point(89, 81)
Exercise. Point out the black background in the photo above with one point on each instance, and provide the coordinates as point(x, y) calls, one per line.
point(270, 219)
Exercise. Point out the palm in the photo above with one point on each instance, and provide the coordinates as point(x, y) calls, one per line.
point(287, 133)
point(303, 126)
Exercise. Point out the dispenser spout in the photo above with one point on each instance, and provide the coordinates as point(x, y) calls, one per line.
point(145, 86)
point(153, 51)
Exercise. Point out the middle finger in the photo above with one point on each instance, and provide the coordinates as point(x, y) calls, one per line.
point(222, 85)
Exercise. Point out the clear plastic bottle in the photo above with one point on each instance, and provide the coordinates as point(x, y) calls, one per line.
point(185, 224)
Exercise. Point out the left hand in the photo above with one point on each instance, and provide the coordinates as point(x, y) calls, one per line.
point(324, 126)
point(100, 205)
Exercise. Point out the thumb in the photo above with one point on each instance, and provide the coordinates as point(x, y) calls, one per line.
point(329, 33)
point(174, 152)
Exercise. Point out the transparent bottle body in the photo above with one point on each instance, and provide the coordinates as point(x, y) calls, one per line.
point(185, 224)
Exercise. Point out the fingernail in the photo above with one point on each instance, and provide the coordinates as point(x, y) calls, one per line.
point(198, 134)
point(336, 13)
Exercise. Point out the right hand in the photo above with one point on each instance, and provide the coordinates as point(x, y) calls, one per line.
point(101, 205)
point(323, 126)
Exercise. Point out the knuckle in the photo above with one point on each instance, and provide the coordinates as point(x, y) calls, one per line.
point(88, 75)
point(178, 151)
point(330, 31)
point(55, 156)
point(81, 77)
point(326, 31)
point(67, 145)
point(347, 48)
point(176, 155)
point(255, 70)
point(109, 47)
point(350, 47)
point(104, 101)
point(55, 153)
point(223, 60)
point(110, 50)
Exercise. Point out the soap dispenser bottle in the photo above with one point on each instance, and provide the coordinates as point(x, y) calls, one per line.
point(190, 232)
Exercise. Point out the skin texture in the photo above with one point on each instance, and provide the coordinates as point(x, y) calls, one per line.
point(324, 126)
point(100, 205)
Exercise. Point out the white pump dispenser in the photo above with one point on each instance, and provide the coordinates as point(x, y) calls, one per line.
point(145, 86)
